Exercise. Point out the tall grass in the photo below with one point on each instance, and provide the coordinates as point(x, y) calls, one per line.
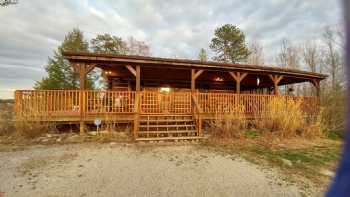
point(281, 117)
point(333, 118)
point(6, 124)
point(229, 125)
point(286, 118)
point(32, 124)
point(31, 128)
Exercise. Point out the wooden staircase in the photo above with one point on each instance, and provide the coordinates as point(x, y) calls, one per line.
point(167, 127)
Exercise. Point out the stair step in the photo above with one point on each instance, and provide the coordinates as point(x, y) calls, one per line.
point(153, 115)
point(145, 121)
point(152, 126)
point(171, 131)
point(167, 118)
point(170, 138)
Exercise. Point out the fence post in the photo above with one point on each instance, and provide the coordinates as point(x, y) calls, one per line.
point(82, 111)
point(137, 114)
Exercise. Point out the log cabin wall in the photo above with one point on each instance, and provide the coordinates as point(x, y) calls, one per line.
point(119, 84)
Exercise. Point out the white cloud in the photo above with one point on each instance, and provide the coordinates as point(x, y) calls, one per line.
point(31, 30)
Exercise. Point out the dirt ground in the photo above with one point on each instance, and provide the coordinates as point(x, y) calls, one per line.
point(114, 169)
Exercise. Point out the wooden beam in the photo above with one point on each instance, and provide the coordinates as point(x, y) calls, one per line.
point(82, 81)
point(238, 77)
point(238, 87)
point(193, 80)
point(138, 78)
point(316, 84)
point(131, 69)
point(198, 73)
point(243, 76)
point(89, 68)
point(82, 69)
point(234, 75)
point(276, 79)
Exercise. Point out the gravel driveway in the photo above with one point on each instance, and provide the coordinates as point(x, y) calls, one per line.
point(134, 170)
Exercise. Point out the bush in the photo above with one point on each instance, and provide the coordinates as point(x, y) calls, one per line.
point(31, 129)
point(6, 123)
point(31, 125)
point(227, 126)
point(286, 118)
point(334, 104)
point(282, 117)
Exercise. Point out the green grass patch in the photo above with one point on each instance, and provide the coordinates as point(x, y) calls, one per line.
point(306, 162)
point(251, 134)
point(333, 135)
point(316, 155)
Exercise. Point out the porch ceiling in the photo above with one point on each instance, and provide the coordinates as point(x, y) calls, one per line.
point(181, 78)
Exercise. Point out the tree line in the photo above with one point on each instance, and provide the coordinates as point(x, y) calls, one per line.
point(60, 74)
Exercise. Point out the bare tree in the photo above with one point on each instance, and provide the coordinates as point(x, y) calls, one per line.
point(4, 3)
point(332, 56)
point(288, 56)
point(136, 47)
point(256, 53)
point(311, 56)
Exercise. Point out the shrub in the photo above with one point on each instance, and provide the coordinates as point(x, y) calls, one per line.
point(281, 116)
point(31, 129)
point(32, 125)
point(333, 119)
point(6, 124)
point(229, 125)
point(286, 118)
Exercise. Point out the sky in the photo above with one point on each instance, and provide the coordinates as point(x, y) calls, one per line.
point(31, 30)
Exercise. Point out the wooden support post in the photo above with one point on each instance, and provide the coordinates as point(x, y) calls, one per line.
point(316, 84)
point(131, 69)
point(200, 131)
point(238, 77)
point(138, 78)
point(193, 80)
point(194, 76)
point(82, 69)
point(276, 80)
point(137, 101)
point(195, 107)
point(136, 114)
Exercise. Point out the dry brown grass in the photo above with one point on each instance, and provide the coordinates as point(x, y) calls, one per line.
point(6, 124)
point(282, 118)
point(31, 129)
point(11, 124)
point(32, 125)
point(227, 126)
point(286, 119)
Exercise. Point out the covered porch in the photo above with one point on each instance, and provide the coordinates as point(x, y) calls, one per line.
point(174, 95)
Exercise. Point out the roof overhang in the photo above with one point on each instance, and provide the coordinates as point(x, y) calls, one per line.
point(103, 59)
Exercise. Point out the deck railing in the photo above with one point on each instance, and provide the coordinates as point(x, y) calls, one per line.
point(89, 102)
point(109, 101)
point(251, 103)
point(171, 102)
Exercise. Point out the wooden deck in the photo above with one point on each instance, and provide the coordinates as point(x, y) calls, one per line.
point(63, 105)
point(145, 109)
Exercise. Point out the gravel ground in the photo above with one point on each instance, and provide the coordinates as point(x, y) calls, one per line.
point(134, 170)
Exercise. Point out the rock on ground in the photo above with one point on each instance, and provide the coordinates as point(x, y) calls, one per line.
point(134, 170)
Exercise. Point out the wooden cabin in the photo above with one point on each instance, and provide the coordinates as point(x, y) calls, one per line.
point(164, 98)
